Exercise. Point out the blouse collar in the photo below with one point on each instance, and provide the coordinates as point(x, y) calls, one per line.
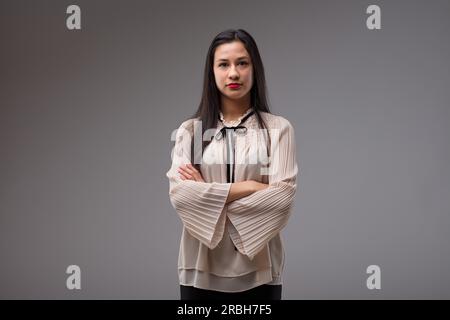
point(236, 122)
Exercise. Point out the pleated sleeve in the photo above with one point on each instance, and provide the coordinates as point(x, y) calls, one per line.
point(257, 218)
point(200, 205)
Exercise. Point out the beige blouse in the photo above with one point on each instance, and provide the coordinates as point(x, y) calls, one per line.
point(236, 246)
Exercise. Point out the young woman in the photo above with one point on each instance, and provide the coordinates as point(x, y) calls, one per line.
point(233, 180)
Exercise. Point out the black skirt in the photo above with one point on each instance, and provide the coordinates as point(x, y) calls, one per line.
point(262, 292)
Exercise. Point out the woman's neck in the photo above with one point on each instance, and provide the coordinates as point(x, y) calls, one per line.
point(232, 110)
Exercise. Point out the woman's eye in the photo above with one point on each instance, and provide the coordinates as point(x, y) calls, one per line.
point(242, 62)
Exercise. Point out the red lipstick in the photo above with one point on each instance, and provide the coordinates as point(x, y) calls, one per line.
point(234, 85)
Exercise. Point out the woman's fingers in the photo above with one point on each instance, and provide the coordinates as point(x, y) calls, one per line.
point(186, 177)
point(188, 169)
point(185, 170)
point(194, 172)
point(184, 174)
point(190, 172)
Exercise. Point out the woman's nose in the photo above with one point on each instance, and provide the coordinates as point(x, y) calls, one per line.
point(233, 73)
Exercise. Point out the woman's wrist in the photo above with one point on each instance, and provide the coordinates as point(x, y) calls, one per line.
point(244, 188)
point(256, 186)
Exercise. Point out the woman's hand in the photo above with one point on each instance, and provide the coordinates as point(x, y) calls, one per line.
point(188, 172)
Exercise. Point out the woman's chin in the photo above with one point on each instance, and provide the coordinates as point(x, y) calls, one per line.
point(237, 95)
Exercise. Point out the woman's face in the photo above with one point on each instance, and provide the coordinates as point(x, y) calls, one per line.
point(232, 64)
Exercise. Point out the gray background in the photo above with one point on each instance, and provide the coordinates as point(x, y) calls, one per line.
point(86, 118)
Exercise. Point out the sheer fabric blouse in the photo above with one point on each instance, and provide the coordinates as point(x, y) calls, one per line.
point(236, 246)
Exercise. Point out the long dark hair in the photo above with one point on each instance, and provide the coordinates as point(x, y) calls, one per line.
point(209, 107)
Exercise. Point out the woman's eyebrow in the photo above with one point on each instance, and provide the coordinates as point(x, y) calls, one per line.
point(240, 58)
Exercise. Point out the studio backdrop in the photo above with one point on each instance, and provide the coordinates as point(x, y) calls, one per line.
point(91, 92)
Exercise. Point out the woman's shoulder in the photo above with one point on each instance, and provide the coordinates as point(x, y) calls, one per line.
point(188, 124)
point(185, 129)
point(275, 121)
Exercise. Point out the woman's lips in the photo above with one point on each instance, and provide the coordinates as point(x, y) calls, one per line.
point(234, 85)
